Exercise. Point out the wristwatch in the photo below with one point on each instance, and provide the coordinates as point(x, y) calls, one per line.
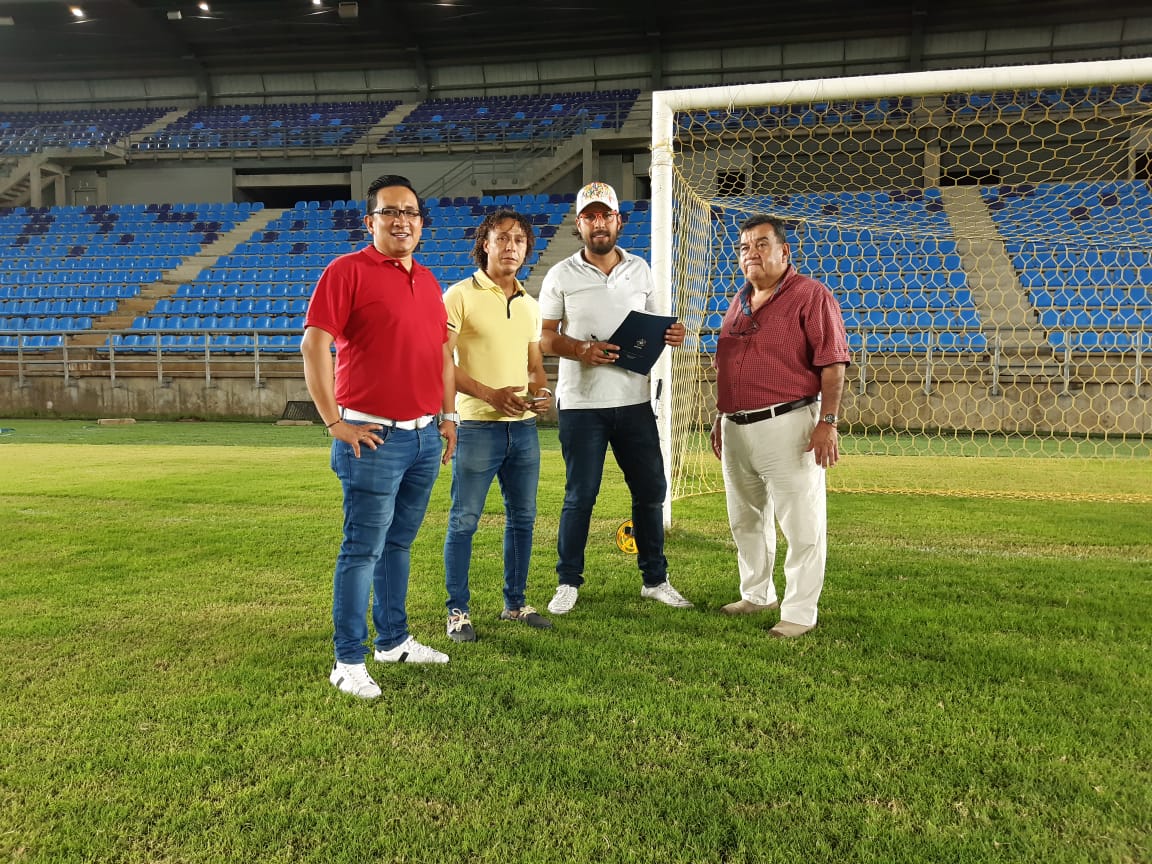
point(830, 419)
point(447, 415)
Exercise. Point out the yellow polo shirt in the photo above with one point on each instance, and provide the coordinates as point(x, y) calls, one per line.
point(493, 333)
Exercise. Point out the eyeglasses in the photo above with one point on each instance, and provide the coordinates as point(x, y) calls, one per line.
point(596, 217)
point(395, 213)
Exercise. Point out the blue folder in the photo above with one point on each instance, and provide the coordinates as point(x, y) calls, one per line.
point(641, 339)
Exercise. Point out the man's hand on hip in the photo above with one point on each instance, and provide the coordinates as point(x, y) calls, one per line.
point(356, 434)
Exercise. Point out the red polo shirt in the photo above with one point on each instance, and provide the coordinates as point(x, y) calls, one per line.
point(776, 354)
point(390, 327)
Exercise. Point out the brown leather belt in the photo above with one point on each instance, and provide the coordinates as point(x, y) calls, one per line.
point(745, 417)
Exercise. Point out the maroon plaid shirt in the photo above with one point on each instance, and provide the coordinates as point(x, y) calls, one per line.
point(775, 355)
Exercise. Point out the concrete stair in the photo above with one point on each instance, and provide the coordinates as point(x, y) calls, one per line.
point(16, 183)
point(368, 141)
point(563, 244)
point(171, 280)
point(996, 291)
point(154, 127)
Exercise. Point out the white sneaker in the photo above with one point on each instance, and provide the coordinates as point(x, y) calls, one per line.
point(666, 594)
point(411, 651)
point(354, 678)
point(564, 599)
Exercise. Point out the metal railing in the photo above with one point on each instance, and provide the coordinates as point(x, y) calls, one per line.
point(49, 353)
point(208, 353)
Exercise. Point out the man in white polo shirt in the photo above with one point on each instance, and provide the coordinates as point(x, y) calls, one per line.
point(583, 300)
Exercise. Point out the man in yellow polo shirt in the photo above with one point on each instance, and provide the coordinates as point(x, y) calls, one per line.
point(494, 330)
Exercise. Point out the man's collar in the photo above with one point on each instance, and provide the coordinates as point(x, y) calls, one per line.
point(582, 256)
point(376, 255)
point(482, 281)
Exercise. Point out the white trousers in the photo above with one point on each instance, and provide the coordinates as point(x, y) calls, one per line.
point(769, 477)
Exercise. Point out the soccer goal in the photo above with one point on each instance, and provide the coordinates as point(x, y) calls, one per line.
point(988, 233)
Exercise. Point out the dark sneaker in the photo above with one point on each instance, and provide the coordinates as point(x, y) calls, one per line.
point(527, 615)
point(460, 627)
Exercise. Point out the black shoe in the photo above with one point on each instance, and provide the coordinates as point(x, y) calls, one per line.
point(527, 615)
point(460, 627)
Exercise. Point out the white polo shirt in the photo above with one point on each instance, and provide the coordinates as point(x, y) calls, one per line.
point(592, 306)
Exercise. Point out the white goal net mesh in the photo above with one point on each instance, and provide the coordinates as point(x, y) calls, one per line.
point(990, 244)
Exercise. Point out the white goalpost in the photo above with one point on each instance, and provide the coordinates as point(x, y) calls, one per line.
point(966, 220)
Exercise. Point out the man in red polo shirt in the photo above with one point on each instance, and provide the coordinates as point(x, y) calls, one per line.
point(386, 404)
point(780, 364)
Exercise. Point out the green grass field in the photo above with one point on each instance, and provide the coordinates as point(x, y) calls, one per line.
point(979, 687)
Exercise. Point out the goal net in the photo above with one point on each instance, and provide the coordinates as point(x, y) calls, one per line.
point(988, 234)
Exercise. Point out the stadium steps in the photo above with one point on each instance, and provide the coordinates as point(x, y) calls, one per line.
point(369, 142)
point(152, 128)
point(543, 171)
point(169, 282)
point(562, 244)
point(225, 244)
point(996, 291)
point(638, 123)
point(126, 310)
point(16, 185)
point(636, 128)
point(1028, 364)
point(559, 247)
point(995, 288)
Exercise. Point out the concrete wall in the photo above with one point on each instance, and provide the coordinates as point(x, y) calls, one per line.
point(146, 397)
point(1031, 408)
point(151, 183)
point(423, 171)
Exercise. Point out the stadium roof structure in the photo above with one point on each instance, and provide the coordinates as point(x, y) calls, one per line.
point(66, 39)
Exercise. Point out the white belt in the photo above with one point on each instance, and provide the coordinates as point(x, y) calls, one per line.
point(418, 423)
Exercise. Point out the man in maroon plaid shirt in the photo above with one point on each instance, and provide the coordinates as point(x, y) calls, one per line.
point(780, 364)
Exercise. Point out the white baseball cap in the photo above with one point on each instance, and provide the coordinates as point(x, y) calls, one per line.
point(597, 193)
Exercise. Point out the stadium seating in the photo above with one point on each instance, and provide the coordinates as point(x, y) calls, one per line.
point(957, 106)
point(887, 110)
point(24, 132)
point(1088, 280)
point(991, 106)
point(264, 284)
point(66, 265)
point(509, 119)
point(245, 127)
point(900, 283)
point(515, 120)
point(636, 230)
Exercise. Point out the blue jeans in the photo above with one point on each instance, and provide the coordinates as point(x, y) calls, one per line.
point(386, 493)
point(585, 435)
point(510, 452)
